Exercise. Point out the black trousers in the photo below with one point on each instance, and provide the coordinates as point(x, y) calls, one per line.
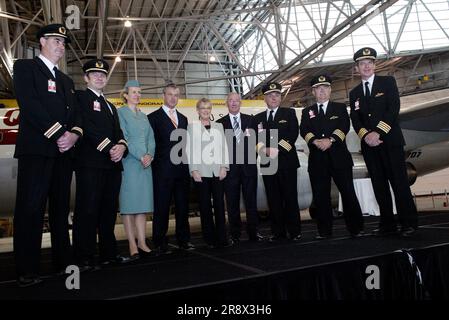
point(282, 196)
point(213, 222)
point(38, 179)
point(321, 189)
point(164, 189)
point(96, 207)
point(234, 183)
point(387, 164)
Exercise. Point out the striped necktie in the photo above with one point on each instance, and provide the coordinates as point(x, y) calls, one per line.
point(237, 130)
point(171, 113)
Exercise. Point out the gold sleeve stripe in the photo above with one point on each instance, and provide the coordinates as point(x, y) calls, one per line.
point(259, 146)
point(124, 142)
point(309, 136)
point(384, 127)
point(284, 144)
point(52, 130)
point(103, 144)
point(340, 134)
point(78, 129)
point(362, 132)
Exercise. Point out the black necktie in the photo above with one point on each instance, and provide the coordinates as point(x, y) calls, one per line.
point(270, 117)
point(367, 92)
point(105, 103)
point(55, 69)
point(321, 111)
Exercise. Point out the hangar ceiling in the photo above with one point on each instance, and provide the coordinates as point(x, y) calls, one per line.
point(251, 40)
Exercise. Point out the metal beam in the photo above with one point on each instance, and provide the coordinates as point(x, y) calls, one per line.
point(103, 9)
point(186, 49)
point(328, 39)
point(156, 63)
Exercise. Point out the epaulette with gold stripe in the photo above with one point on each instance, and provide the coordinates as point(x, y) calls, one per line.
point(362, 133)
point(309, 136)
point(121, 141)
point(284, 144)
point(77, 130)
point(53, 129)
point(103, 144)
point(383, 126)
point(339, 134)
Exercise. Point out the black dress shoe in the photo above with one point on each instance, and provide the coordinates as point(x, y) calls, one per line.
point(186, 246)
point(162, 249)
point(118, 259)
point(408, 232)
point(256, 238)
point(235, 241)
point(357, 234)
point(322, 236)
point(382, 231)
point(134, 257)
point(28, 281)
point(275, 238)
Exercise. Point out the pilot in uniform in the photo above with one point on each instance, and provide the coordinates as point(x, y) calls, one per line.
point(279, 163)
point(49, 126)
point(324, 126)
point(98, 171)
point(375, 108)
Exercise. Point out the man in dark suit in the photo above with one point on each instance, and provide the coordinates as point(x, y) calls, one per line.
point(242, 174)
point(375, 108)
point(280, 171)
point(324, 126)
point(170, 172)
point(98, 171)
point(49, 126)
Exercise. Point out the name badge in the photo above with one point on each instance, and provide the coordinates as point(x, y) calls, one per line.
point(51, 86)
point(97, 106)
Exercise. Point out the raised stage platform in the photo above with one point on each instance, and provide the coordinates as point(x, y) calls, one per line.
point(367, 268)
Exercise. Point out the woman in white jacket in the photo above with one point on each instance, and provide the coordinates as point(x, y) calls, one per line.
point(208, 164)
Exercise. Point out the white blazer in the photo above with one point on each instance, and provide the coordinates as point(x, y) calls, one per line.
point(207, 150)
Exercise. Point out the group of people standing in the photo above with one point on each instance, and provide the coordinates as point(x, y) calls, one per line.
point(127, 161)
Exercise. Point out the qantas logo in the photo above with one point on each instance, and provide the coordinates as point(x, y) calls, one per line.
point(11, 118)
point(8, 130)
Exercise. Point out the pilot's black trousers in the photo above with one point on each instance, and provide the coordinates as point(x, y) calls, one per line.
point(282, 197)
point(96, 208)
point(320, 179)
point(387, 164)
point(38, 179)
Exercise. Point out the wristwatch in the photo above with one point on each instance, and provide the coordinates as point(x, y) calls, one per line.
point(332, 139)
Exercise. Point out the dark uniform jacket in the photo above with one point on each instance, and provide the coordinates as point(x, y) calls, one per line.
point(380, 112)
point(335, 124)
point(163, 127)
point(249, 169)
point(45, 115)
point(286, 124)
point(101, 132)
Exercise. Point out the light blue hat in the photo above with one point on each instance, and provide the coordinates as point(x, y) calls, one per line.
point(132, 83)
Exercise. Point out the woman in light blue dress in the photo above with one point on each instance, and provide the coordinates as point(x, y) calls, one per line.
point(136, 192)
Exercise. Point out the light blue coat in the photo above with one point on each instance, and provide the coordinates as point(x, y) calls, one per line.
point(136, 192)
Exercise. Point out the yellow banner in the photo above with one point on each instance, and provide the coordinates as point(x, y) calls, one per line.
point(182, 103)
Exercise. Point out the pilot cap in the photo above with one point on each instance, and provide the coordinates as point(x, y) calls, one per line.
point(365, 53)
point(322, 79)
point(271, 87)
point(96, 65)
point(53, 30)
point(132, 83)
